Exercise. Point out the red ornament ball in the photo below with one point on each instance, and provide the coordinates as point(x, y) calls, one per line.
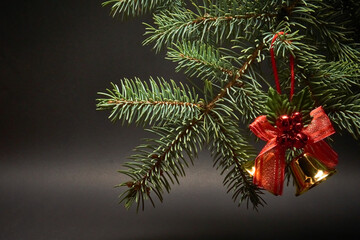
point(285, 140)
point(296, 117)
point(290, 134)
point(297, 127)
point(283, 123)
point(300, 140)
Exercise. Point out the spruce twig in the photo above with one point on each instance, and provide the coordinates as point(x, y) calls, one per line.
point(213, 42)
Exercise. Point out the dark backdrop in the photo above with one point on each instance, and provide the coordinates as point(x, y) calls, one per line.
point(59, 157)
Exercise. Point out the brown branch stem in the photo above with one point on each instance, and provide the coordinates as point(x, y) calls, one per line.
point(129, 102)
point(236, 160)
point(233, 82)
point(229, 18)
point(161, 158)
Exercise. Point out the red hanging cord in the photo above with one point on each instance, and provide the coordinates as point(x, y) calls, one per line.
point(276, 76)
point(292, 76)
point(277, 82)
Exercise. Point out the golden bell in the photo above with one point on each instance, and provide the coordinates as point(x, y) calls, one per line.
point(308, 172)
point(249, 167)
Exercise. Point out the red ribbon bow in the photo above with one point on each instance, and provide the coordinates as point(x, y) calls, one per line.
point(270, 163)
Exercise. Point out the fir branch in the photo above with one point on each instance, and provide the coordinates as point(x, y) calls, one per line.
point(203, 59)
point(247, 100)
point(344, 111)
point(344, 74)
point(123, 102)
point(334, 85)
point(312, 27)
point(203, 19)
point(127, 8)
point(328, 27)
point(181, 24)
point(160, 162)
point(234, 81)
point(230, 150)
point(200, 60)
point(136, 102)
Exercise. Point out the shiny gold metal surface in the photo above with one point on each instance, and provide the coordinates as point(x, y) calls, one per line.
point(249, 167)
point(308, 172)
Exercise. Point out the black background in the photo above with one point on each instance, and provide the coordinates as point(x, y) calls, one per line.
point(59, 156)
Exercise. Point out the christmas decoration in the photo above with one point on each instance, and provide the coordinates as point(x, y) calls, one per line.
point(289, 133)
point(308, 172)
point(223, 47)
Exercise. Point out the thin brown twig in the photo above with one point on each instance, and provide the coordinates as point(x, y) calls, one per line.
point(128, 102)
point(233, 82)
point(229, 18)
point(238, 164)
point(161, 158)
point(293, 5)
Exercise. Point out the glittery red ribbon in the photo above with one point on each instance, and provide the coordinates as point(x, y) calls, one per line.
point(270, 163)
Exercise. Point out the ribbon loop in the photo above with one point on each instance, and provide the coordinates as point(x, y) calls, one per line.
point(263, 129)
point(320, 126)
